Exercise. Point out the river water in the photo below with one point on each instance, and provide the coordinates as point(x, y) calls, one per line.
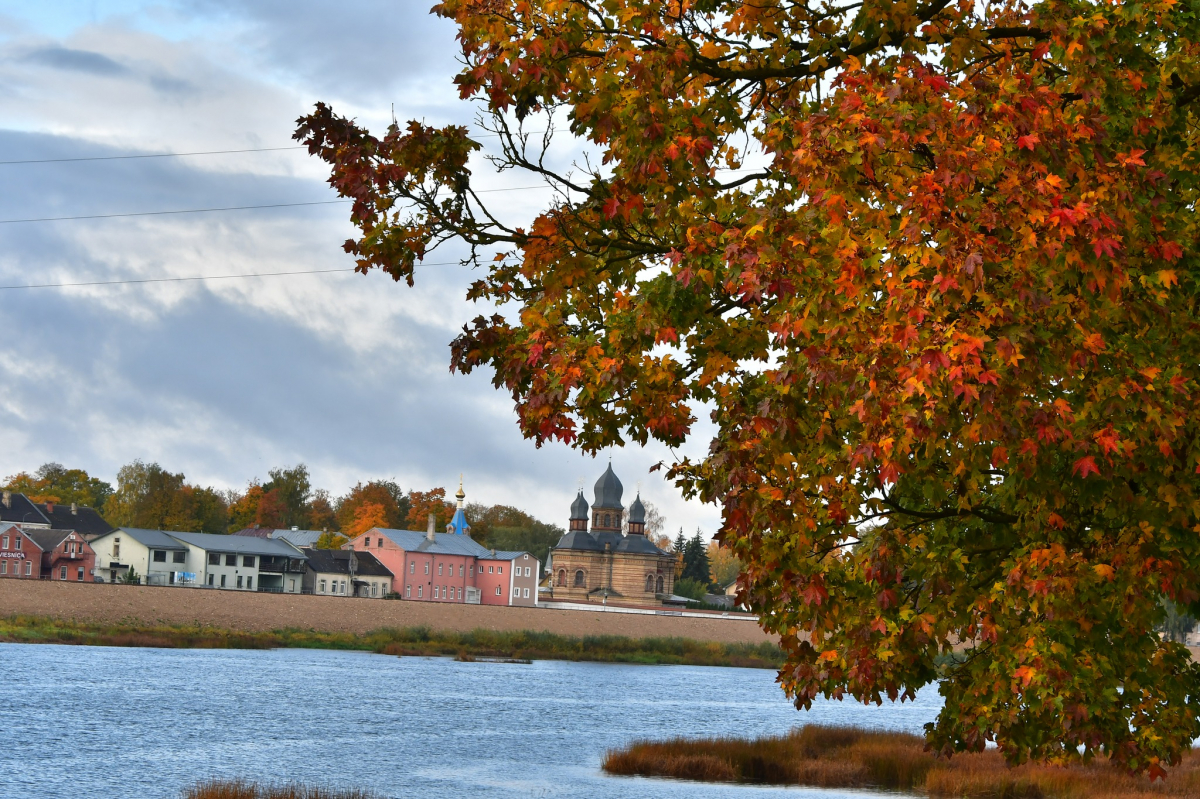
point(111, 722)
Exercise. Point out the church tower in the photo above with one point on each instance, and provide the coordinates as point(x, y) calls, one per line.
point(608, 513)
point(637, 516)
point(458, 525)
point(579, 513)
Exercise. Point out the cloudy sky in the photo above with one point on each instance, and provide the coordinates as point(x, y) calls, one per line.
point(224, 379)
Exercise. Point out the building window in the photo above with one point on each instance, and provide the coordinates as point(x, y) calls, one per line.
point(499, 570)
point(368, 541)
point(435, 592)
point(4, 542)
point(408, 592)
point(178, 557)
point(562, 577)
point(471, 570)
point(214, 559)
point(222, 581)
point(160, 556)
point(526, 593)
point(210, 579)
point(321, 587)
point(28, 567)
point(497, 590)
point(658, 586)
point(116, 548)
point(379, 543)
point(374, 588)
point(231, 560)
point(79, 574)
point(239, 581)
point(439, 570)
point(649, 583)
point(427, 567)
point(579, 579)
point(3, 567)
point(412, 567)
point(18, 542)
point(62, 572)
point(420, 591)
point(250, 583)
point(248, 561)
point(516, 592)
point(343, 587)
point(490, 568)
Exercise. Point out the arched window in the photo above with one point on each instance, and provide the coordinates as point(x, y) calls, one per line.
point(579, 581)
point(562, 577)
point(649, 583)
point(659, 588)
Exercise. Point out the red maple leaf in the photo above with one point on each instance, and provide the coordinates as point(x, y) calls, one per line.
point(1085, 466)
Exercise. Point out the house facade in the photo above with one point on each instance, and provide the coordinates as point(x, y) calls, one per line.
point(161, 557)
point(344, 572)
point(20, 557)
point(66, 556)
point(603, 564)
point(450, 566)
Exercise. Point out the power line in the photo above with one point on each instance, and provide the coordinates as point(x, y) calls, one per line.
point(148, 155)
point(201, 152)
point(225, 208)
point(195, 278)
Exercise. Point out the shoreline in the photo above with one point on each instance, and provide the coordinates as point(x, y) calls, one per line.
point(478, 644)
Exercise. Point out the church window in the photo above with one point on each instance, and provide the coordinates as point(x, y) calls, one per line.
point(660, 585)
point(579, 579)
point(562, 577)
point(649, 583)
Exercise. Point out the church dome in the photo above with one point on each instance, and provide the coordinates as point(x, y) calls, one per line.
point(579, 508)
point(608, 491)
point(637, 511)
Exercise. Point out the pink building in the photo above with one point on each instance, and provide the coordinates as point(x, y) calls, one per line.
point(45, 554)
point(451, 566)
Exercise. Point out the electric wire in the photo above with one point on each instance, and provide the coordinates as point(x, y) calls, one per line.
point(196, 277)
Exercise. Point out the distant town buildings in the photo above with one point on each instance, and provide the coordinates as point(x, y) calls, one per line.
point(42, 553)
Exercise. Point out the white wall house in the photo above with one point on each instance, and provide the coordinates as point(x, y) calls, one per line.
point(200, 559)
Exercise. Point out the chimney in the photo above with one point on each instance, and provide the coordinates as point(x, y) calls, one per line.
point(49, 507)
point(7, 499)
point(74, 509)
point(432, 525)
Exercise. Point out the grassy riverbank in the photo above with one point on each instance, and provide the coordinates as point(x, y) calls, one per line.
point(243, 789)
point(846, 757)
point(418, 641)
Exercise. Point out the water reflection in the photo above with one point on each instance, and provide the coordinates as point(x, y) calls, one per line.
point(97, 722)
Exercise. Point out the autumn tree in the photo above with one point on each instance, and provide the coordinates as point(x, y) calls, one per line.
point(53, 482)
point(322, 515)
point(368, 515)
point(331, 540)
point(150, 497)
point(423, 503)
point(243, 508)
point(385, 493)
point(932, 268)
point(285, 498)
point(724, 564)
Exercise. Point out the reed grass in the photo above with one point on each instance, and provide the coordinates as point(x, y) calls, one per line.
point(244, 789)
point(405, 641)
point(848, 757)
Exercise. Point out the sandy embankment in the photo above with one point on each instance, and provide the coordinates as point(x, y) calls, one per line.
point(251, 612)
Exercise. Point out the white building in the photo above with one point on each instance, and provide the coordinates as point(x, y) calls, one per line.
point(161, 557)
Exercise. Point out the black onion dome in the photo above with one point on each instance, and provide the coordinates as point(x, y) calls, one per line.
point(637, 511)
point(608, 491)
point(579, 508)
point(579, 539)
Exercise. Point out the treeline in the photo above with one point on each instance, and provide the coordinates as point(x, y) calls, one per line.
point(149, 496)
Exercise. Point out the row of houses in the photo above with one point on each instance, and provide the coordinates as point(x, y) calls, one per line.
point(424, 567)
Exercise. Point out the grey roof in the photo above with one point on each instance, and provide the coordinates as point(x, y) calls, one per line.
point(578, 539)
point(80, 518)
point(579, 508)
point(20, 510)
point(609, 538)
point(239, 544)
point(337, 561)
point(608, 491)
point(156, 539)
point(442, 544)
point(47, 539)
point(504, 554)
point(638, 544)
point(637, 511)
point(298, 538)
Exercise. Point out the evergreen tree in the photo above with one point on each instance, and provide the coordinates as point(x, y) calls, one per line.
point(695, 560)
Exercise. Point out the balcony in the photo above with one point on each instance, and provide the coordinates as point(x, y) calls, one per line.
point(283, 567)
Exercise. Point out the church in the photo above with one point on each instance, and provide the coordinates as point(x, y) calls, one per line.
point(602, 564)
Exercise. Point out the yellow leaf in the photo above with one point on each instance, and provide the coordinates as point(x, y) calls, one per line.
point(1167, 277)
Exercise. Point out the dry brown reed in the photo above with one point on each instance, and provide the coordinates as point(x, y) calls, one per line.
point(847, 757)
point(243, 789)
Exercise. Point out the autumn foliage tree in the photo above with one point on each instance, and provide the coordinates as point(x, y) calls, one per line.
point(932, 268)
point(423, 503)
